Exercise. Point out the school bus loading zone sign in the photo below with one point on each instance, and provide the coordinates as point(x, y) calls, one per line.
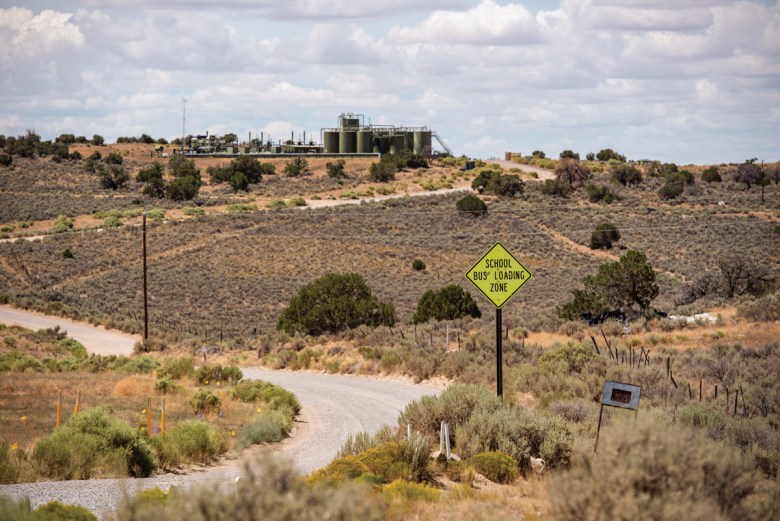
point(498, 275)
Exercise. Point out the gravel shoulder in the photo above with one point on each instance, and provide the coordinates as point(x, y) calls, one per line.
point(332, 407)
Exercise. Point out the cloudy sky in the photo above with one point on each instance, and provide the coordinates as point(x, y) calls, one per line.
point(676, 80)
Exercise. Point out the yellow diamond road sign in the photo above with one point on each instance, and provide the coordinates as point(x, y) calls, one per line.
point(498, 275)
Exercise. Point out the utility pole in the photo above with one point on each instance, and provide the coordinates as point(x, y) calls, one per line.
point(146, 308)
point(183, 121)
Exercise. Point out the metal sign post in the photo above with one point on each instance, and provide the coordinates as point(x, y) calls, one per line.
point(616, 394)
point(498, 275)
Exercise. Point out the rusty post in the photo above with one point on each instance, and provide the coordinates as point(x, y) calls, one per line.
point(598, 429)
point(595, 344)
point(700, 390)
point(76, 407)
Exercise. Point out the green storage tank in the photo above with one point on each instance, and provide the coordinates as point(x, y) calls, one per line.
point(365, 141)
point(347, 142)
point(330, 141)
point(422, 142)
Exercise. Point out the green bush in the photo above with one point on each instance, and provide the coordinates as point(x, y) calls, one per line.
point(333, 303)
point(176, 368)
point(418, 265)
point(272, 425)
point(454, 406)
point(205, 401)
point(62, 224)
point(182, 188)
point(711, 175)
point(494, 182)
point(296, 167)
point(763, 309)
point(496, 466)
point(112, 221)
point(93, 442)
point(191, 441)
point(600, 193)
point(603, 237)
point(211, 374)
point(269, 490)
point(448, 303)
point(154, 171)
point(382, 172)
point(256, 390)
point(471, 205)
point(519, 433)
point(336, 170)
point(648, 469)
point(166, 386)
point(9, 464)
point(574, 356)
point(626, 175)
point(411, 491)
point(556, 188)
point(56, 511)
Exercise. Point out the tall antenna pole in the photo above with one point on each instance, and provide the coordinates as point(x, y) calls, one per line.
point(183, 120)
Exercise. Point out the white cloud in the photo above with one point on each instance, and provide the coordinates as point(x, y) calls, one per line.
point(486, 24)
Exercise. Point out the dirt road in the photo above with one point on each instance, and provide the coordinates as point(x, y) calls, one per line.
point(332, 407)
point(97, 340)
point(541, 172)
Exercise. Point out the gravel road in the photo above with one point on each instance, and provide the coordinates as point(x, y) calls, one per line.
point(332, 407)
point(541, 172)
point(97, 340)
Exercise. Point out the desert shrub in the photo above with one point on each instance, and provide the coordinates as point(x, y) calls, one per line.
point(112, 221)
point(365, 440)
point(296, 167)
point(112, 177)
point(340, 469)
point(5, 160)
point(575, 411)
point(554, 187)
point(382, 172)
point(207, 374)
point(333, 303)
point(407, 490)
point(256, 390)
point(297, 201)
point(241, 208)
point(624, 285)
point(336, 170)
point(644, 470)
point(192, 441)
point(519, 433)
point(270, 490)
point(154, 171)
point(448, 303)
point(249, 167)
point(62, 224)
point(454, 406)
point(272, 425)
point(603, 237)
point(238, 181)
point(626, 174)
point(9, 464)
point(471, 205)
point(418, 265)
point(494, 182)
point(204, 401)
point(711, 175)
point(600, 193)
point(763, 309)
point(390, 360)
point(607, 154)
point(182, 188)
point(496, 466)
point(574, 356)
point(176, 368)
point(194, 211)
point(114, 158)
point(56, 511)
point(93, 442)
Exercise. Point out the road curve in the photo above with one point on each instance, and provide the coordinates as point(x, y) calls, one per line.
point(332, 407)
point(97, 340)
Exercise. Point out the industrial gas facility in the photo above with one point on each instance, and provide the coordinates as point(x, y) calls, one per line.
point(350, 137)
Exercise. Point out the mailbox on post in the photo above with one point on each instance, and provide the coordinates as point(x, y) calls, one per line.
point(616, 394)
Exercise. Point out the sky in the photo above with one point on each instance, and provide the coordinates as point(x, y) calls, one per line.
point(687, 81)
